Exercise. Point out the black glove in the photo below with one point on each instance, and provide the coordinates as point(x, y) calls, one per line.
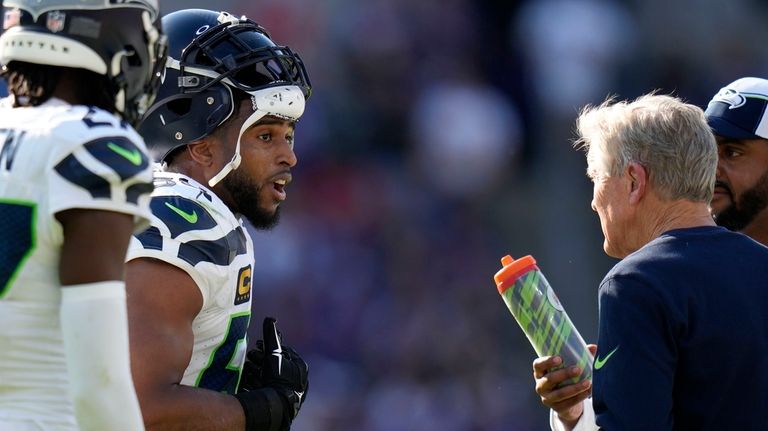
point(272, 371)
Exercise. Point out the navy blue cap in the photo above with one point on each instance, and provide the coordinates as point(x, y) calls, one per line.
point(740, 110)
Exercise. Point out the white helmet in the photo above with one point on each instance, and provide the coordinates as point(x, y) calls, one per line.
point(120, 39)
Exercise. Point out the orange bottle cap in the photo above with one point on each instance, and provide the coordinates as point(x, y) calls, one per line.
point(513, 269)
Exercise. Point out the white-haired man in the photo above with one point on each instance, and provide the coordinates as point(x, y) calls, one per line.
point(682, 314)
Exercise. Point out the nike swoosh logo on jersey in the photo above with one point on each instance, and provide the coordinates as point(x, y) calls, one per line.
point(190, 217)
point(133, 156)
point(600, 362)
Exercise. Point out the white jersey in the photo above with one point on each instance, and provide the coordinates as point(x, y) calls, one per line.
point(195, 231)
point(53, 158)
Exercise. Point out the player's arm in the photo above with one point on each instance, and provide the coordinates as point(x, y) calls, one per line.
point(163, 301)
point(93, 318)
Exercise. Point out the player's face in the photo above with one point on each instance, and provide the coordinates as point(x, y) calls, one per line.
point(257, 187)
point(741, 187)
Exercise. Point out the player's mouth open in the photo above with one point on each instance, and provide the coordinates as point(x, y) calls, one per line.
point(279, 189)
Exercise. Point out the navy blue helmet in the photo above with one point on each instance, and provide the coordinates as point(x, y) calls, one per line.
point(210, 56)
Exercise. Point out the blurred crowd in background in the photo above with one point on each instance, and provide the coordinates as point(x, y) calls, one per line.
point(437, 140)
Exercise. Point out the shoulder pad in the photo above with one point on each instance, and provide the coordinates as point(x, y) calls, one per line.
point(180, 214)
point(220, 252)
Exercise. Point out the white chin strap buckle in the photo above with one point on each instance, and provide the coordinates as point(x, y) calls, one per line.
point(229, 167)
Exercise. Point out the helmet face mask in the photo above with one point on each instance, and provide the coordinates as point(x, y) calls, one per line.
point(243, 56)
point(121, 41)
point(211, 55)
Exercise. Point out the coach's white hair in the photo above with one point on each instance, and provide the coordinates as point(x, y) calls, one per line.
point(667, 136)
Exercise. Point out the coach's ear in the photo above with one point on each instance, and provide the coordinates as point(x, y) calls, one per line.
point(638, 177)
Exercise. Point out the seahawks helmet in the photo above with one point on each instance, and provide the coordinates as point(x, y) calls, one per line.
point(213, 55)
point(121, 40)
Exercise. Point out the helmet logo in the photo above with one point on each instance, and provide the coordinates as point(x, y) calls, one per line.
point(277, 97)
point(283, 102)
point(11, 18)
point(55, 21)
point(731, 97)
point(202, 29)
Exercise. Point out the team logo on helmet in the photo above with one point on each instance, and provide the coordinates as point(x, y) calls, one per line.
point(55, 21)
point(731, 97)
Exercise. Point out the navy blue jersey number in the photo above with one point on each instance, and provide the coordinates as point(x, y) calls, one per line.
point(17, 228)
point(9, 143)
point(219, 374)
point(90, 119)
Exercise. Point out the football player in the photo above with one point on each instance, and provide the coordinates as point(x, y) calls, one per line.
point(223, 128)
point(75, 183)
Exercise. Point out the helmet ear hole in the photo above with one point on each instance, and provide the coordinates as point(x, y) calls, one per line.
point(180, 107)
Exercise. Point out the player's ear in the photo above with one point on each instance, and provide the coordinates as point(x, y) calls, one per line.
point(201, 152)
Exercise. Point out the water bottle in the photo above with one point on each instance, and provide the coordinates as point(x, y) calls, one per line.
point(539, 313)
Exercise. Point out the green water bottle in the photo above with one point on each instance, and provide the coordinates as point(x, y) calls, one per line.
point(539, 313)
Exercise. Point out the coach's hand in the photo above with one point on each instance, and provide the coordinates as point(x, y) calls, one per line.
point(567, 400)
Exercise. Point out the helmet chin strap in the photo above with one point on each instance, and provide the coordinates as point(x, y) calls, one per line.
point(236, 158)
point(116, 69)
point(284, 102)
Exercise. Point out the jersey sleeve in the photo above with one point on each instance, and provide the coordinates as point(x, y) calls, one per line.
point(184, 234)
point(634, 368)
point(110, 173)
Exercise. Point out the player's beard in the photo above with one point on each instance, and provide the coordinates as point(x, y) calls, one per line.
point(246, 196)
point(737, 216)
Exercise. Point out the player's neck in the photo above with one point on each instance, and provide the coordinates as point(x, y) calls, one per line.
point(185, 165)
point(66, 90)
